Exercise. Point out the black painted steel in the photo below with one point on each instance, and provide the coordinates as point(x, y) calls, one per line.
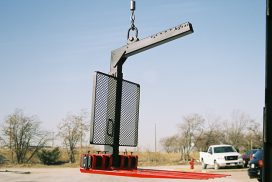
point(115, 146)
point(267, 125)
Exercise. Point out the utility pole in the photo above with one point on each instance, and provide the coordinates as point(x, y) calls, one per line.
point(267, 125)
point(81, 135)
point(10, 141)
point(53, 138)
point(155, 138)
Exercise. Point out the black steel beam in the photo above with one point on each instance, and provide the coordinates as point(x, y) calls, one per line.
point(117, 119)
point(267, 125)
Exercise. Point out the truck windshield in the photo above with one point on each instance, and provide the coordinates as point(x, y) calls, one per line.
point(224, 149)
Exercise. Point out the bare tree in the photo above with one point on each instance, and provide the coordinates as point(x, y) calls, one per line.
point(254, 136)
point(212, 134)
point(170, 144)
point(199, 133)
point(23, 135)
point(191, 131)
point(236, 128)
point(72, 130)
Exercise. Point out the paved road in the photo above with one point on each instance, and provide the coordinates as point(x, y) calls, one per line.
point(73, 175)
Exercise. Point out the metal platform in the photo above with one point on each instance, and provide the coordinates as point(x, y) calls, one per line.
point(150, 173)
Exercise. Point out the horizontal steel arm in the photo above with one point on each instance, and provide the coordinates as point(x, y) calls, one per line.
point(118, 56)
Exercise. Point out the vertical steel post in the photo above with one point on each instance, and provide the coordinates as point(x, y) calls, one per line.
point(117, 72)
point(267, 125)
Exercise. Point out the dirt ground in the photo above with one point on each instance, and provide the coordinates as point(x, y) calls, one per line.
point(73, 174)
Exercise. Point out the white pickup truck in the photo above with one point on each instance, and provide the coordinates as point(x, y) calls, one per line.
point(221, 156)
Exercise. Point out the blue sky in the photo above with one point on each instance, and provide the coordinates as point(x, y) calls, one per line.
point(50, 49)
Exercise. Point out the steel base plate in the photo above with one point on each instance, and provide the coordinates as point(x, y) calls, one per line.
point(150, 173)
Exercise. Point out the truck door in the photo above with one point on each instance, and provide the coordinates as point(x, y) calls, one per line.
point(209, 156)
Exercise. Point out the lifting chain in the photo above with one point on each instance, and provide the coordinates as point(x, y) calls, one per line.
point(132, 28)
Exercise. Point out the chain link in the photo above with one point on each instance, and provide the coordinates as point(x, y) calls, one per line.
point(132, 28)
point(132, 18)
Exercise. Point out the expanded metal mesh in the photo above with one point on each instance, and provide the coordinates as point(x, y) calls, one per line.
point(103, 111)
point(129, 114)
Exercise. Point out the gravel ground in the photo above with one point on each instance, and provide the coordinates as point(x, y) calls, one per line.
point(73, 174)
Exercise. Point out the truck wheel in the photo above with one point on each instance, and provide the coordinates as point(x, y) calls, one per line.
point(245, 163)
point(216, 166)
point(204, 166)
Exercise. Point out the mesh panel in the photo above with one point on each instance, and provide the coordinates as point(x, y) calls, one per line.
point(129, 114)
point(103, 113)
point(103, 104)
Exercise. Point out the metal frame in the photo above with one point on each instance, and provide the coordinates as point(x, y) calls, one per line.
point(267, 121)
point(118, 58)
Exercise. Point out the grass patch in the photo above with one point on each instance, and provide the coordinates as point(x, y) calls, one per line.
point(144, 159)
point(10, 161)
point(158, 158)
